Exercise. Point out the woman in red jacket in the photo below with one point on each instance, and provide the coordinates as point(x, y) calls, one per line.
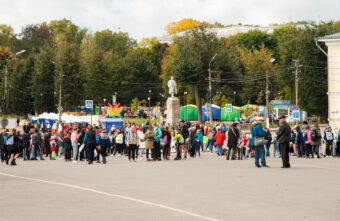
point(219, 138)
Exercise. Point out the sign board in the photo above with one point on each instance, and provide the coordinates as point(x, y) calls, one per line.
point(261, 109)
point(296, 115)
point(229, 108)
point(295, 108)
point(60, 109)
point(89, 104)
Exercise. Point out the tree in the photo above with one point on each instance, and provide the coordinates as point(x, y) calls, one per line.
point(67, 72)
point(188, 59)
point(182, 25)
point(6, 34)
point(147, 43)
point(135, 104)
point(43, 80)
point(256, 64)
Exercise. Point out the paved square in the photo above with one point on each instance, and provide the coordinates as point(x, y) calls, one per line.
point(209, 188)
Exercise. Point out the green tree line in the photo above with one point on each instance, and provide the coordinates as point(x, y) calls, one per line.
point(84, 65)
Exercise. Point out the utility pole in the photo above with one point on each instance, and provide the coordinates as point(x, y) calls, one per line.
point(6, 90)
point(210, 104)
point(267, 98)
point(60, 93)
point(296, 77)
point(296, 74)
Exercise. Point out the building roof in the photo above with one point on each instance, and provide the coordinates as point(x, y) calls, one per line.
point(335, 36)
point(226, 31)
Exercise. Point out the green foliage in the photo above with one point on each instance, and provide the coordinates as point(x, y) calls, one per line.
point(135, 103)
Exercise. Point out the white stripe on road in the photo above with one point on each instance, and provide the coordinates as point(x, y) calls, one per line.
point(114, 195)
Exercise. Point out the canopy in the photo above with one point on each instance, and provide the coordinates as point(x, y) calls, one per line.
point(216, 113)
point(230, 116)
point(189, 112)
point(107, 123)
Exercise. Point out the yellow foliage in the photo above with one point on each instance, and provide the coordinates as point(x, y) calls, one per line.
point(182, 25)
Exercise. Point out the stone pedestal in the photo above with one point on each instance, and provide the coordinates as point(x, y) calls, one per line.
point(172, 111)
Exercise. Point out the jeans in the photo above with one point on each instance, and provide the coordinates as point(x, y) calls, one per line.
point(132, 151)
point(4, 153)
point(276, 149)
point(75, 151)
point(301, 148)
point(26, 152)
point(211, 143)
point(268, 143)
point(90, 151)
point(36, 147)
point(220, 150)
point(260, 153)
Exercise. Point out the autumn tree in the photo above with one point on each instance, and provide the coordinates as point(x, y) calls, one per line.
point(182, 25)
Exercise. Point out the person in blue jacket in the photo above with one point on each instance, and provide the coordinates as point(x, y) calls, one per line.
point(257, 131)
point(198, 142)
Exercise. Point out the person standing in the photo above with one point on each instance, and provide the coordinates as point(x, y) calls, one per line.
point(257, 132)
point(283, 137)
point(219, 139)
point(74, 140)
point(308, 142)
point(67, 146)
point(36, 141)
point(132, 143)
point(316, 140)
point(166, 147)
point(141, 137)
point(13, 147)
point(268, 138)
point(329, 139)
point(299, 142)
point(104, 144)
point(157, 142)
point(233, 140)
point(4, 151)
point(149, 139)
point(26, 144)
point(90, 140)
point(60, 143)
point(211, 139)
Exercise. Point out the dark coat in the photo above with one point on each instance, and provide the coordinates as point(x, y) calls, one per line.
point(283, 135)
point(233, 137)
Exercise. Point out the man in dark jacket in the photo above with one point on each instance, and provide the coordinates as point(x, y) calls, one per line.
point(233, 138)
point(283, 138)
point(300, 142)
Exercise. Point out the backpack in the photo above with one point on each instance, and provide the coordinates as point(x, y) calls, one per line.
point(10, 140)
point(305, 137)
point(315, 136)
point(164, 140)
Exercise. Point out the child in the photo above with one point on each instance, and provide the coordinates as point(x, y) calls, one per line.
point(276, 146)
point(67, 147)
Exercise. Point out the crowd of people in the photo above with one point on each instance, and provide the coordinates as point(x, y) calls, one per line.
point(156, 142)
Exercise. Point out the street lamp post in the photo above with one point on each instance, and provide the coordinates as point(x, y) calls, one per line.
point(104, 101)
point(210, 108)
point(186, 108)
point(234, 98)
point(149, 109)
point(41, 107)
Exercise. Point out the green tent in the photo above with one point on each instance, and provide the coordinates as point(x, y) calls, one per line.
point(230, 116)
point(189, 112)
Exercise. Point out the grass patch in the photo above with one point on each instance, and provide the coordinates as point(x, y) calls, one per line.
point(138, 121)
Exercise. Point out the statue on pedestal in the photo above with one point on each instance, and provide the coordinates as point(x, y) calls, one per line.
point(172, 87)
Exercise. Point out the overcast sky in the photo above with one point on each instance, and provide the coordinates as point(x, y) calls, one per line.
point(147, 18)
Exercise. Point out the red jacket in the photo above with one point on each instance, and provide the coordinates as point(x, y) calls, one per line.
point(219, 138)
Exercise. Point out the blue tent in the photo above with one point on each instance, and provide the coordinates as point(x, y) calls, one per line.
point(108, 122)
point(216, 113)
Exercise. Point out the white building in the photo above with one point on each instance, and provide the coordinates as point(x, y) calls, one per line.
point(333, 44)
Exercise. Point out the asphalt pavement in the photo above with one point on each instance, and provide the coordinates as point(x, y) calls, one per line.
point(209, 188)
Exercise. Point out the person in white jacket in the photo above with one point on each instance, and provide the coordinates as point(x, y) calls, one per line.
point(141, 143)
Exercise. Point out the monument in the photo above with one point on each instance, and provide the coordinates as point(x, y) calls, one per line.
point(172, 104)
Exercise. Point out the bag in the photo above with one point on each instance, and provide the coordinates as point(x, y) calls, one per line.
point(10, 141)
point(329, 136)
point(305, 137)
point(259, 141)
point(315, 136)
point(81, 147)
point(181, 140)
point(164, 140)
